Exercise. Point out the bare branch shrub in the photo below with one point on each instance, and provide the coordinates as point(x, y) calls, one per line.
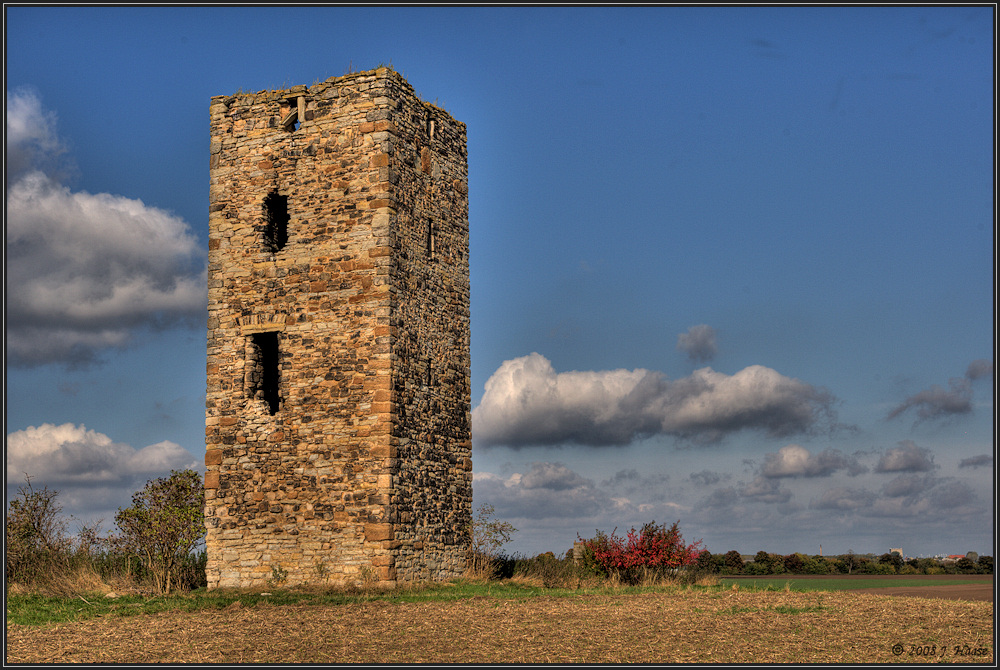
point(35, 535)
point(487, 535)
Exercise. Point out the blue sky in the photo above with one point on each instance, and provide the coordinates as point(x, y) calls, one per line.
point(731, 266)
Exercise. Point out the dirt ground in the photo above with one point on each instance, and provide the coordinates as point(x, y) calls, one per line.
point(983, 591)
point(730, 626)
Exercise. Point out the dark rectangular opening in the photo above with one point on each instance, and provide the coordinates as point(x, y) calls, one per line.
point(293, 118)
point(263, 376)
point(275, 221)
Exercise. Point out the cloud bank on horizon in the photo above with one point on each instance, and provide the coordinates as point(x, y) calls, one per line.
point(913, 496)
point(528, 403)
point(85, 271)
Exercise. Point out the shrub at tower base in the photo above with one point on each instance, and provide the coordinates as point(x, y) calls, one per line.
point(655, 551)
point(164, 523)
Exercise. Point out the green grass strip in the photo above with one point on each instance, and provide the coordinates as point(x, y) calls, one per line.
point(37, 610)
point(836, 584)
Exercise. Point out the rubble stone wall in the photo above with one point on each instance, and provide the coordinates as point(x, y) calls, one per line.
point(338, 378)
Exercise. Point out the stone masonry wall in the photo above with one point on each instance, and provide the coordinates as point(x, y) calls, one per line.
point(337, 410)
point(431, 384)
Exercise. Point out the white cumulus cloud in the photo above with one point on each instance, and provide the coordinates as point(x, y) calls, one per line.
point(845, 499)
point(32, 140)
point(92, 473)
point(907, 457)
point(937, 402)
point(85, 271)
point(527, 403)
point(975, 462)
point(71, 454)
point(796, 461)
point(979, 369)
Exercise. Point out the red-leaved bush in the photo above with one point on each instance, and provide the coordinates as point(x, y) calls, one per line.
point(654, 548)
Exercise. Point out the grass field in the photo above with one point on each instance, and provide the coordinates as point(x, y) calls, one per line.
point(841, 583)
point(37, 610)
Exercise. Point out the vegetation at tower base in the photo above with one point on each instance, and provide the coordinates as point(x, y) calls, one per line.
point(164, 524)
point(338, 418)
point(35, 542)
point(487, 535)
point(43, 557)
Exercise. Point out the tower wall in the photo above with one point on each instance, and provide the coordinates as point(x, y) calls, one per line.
point(338, 398)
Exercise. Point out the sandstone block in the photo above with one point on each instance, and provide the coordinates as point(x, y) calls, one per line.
point(375, 532)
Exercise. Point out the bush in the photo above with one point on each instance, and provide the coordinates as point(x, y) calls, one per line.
point(766, 564)
point(42, 557)
point(487, 535)
point(654, 551)
point(164, 524)
point(587, 564)
point(795, 564)
point(815, 565)
point(862, 565)
point(733, 562)
point(965, 565)
point(36, 545)
point(893, 559)
point(756, 569)
point(707, 564)
point(881, 569)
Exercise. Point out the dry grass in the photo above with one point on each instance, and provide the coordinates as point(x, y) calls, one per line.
point(481, 569)
point(80, 579)
point(685, 625)
point(68, 582)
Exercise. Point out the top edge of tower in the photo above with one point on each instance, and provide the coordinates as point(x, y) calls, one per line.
point(321, 87)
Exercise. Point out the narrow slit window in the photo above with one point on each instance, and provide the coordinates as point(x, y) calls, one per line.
point(430, 129)
point(275, 221)
point(430, 240)
point(263, 373)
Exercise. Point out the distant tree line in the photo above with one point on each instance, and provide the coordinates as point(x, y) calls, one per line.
point(764, 563)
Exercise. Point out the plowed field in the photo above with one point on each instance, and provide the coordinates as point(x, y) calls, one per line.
point(728, 626)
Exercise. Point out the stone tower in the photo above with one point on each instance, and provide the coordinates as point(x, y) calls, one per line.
point(337, 429)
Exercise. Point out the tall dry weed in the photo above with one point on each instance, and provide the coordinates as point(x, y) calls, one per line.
point(480, 568)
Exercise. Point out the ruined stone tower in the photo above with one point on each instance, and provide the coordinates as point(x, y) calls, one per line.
point(338, 401)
